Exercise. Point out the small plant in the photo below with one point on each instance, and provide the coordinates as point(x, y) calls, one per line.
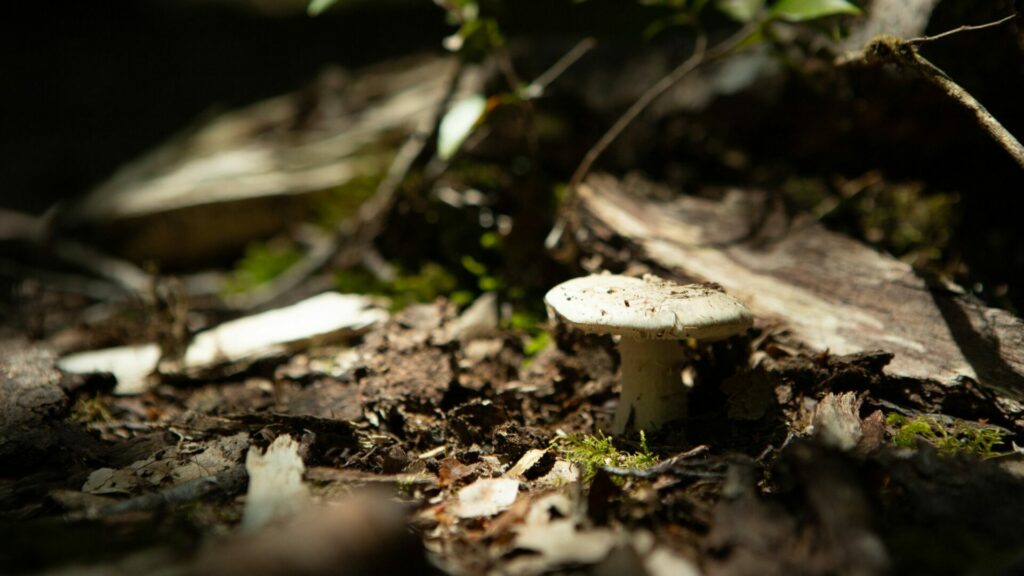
point(592, 452)
point(962, 439)
point(536, 343)
point(532, 326)
point(90, 409)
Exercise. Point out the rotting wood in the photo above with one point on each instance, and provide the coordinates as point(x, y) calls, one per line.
point(827, 291)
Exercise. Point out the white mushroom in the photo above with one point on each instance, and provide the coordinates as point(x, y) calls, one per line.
point(650, 315)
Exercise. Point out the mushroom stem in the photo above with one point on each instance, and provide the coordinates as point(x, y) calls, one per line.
point(653, 392)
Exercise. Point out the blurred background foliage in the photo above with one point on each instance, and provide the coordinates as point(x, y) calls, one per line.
point(93, 84)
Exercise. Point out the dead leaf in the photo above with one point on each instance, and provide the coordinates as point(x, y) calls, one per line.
point(526, 462)
point(486, 497)
point(836, 420)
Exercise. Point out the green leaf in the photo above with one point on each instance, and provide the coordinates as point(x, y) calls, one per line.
point(458, 124)
point(317, 7)
point(802, 10)
point(740, 10)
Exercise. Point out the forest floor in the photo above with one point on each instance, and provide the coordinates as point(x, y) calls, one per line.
point(426, 450)
point(870, 422)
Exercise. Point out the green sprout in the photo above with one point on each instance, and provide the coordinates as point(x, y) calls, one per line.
point(535, 336)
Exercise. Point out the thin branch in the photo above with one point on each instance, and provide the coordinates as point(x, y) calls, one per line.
point(701, 55)
point(121, 273)
point(641, 104)
point(988, 122)
point(947, 33)
point(89, 286)
point(540, 83)
point(678, 465)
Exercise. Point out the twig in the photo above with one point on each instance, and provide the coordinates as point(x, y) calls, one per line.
point(889, 50)
point(540, 83)
point(700, 56)
point(677, 465)
point(965, 28)
point(641, 104)
point(122, 273)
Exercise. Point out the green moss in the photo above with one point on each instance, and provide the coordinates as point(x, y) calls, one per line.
point(432, 280)
point(593, 452)
point(261, 263)
point(334, 206)
point(960, 438)
point(425, 285)
point(358, 281)
point(90, 409)
point(907, 221)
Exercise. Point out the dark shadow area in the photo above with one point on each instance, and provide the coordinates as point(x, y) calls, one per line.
point(980, 349)
point(90, 85)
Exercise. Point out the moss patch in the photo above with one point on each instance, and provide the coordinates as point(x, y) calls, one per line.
point(961, 438)
point(592, 452)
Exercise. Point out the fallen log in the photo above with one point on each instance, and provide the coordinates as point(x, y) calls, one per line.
point(825, 291)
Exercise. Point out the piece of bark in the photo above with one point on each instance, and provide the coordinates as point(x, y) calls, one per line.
point(249, 173)
point(830, 292)
point(237, 344)
point(31, 399)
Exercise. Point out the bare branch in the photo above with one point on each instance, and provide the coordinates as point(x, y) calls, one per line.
point(641, 104)
point(701, 55)
point(536, 88)
point(947, 33)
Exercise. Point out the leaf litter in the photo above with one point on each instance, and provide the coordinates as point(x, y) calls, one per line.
point(497, 466)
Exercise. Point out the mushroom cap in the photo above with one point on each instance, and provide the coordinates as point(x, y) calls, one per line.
point(647, 308)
